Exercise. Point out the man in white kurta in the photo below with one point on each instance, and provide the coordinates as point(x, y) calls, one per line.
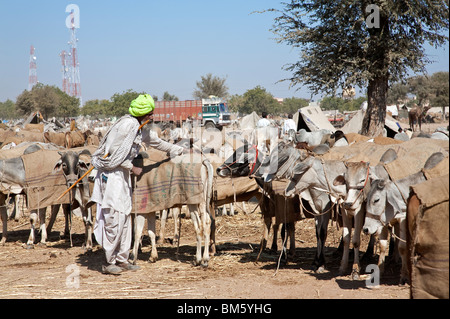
point(263, 122)
point(112, 186)
point(289, 125)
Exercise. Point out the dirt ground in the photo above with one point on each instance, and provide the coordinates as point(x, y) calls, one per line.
point(61, 271)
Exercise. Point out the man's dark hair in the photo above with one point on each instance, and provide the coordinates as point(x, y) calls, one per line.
point(264, 114)
point(290, 116)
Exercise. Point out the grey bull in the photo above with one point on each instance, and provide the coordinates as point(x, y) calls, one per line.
point(312, 179)
point(73, 168)
point(13, 173)
point(386, 207)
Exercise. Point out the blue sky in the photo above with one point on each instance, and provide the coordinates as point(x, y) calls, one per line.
point(152, 46)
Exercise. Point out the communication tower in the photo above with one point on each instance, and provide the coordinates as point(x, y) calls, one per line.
point(65, 72)
point(74, 86)
point(32, 73)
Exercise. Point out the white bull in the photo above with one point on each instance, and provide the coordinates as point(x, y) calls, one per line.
point(200, 215)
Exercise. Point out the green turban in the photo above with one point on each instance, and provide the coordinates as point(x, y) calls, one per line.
point(142, 105)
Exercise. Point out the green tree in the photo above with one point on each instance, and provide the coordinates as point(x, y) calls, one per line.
point(41, 98)
point(68, 106)
point(210, 85)
point(440, 89)
point(433, 90)
point(293, 104)
point(397, 93)
point(120, 103)
point(96, 108)
point(236, 103)
point(360, 43)
point(8, 110)
point(330, 103)
point(25, 103)
point(169, 97)
point(259, 100)
point(49, 100)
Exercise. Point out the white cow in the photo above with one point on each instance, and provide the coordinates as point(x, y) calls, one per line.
point(200, 215)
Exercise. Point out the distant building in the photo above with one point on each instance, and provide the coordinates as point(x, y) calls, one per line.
point(279, 99)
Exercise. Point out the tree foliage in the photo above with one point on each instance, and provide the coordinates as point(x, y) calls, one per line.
point(340, 104)
point(259, 100)
point(97, 108)
point(120, 103)
point(360, 43)
point(169, 97)
point(49, 100)
point(210, 85)
point(8, 110)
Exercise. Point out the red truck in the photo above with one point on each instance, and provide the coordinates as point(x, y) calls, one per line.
point(212, 112)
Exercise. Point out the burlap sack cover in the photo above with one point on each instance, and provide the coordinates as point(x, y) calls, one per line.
point(414, 159)
point(167, 182)
point(440, 169)
point(428, 240)
point(415, 152)
point(227, 189)
point(42, 185)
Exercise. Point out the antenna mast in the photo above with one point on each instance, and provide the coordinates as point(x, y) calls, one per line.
point(32, 73)
point(65, 72)
point(74, 86)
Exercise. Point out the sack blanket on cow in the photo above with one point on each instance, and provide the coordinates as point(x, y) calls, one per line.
point(428, 239)
point(226, 189)
point(167, 182)
point(415, 152)
point(43, 186)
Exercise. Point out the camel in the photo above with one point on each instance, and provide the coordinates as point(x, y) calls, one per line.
point(416, 114)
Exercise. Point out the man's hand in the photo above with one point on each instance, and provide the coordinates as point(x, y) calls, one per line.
point(136, 170)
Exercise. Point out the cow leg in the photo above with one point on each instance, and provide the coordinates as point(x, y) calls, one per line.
point(162, 229)
point(231, 209)
point(206, 225)
point(346, 236)
point(402, 248)
point(67, 218)
point(212, 241)
point(199, 223)
point(42, 227)
point(383, 244)
point(275, 228)
point(31, 237)
point(4, 216)
point(151, 227)
point(321, 235)
point(289, 230)
point(244, 207)
point(33, 218)
point(88, 227)
point(291, 234)
point(359, 222)
point(176, 215)
point(263, 244)
point(139, 223)
point(193, 210)
point(53, 214)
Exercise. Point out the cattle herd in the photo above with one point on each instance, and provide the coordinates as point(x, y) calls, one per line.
point(363, 184)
